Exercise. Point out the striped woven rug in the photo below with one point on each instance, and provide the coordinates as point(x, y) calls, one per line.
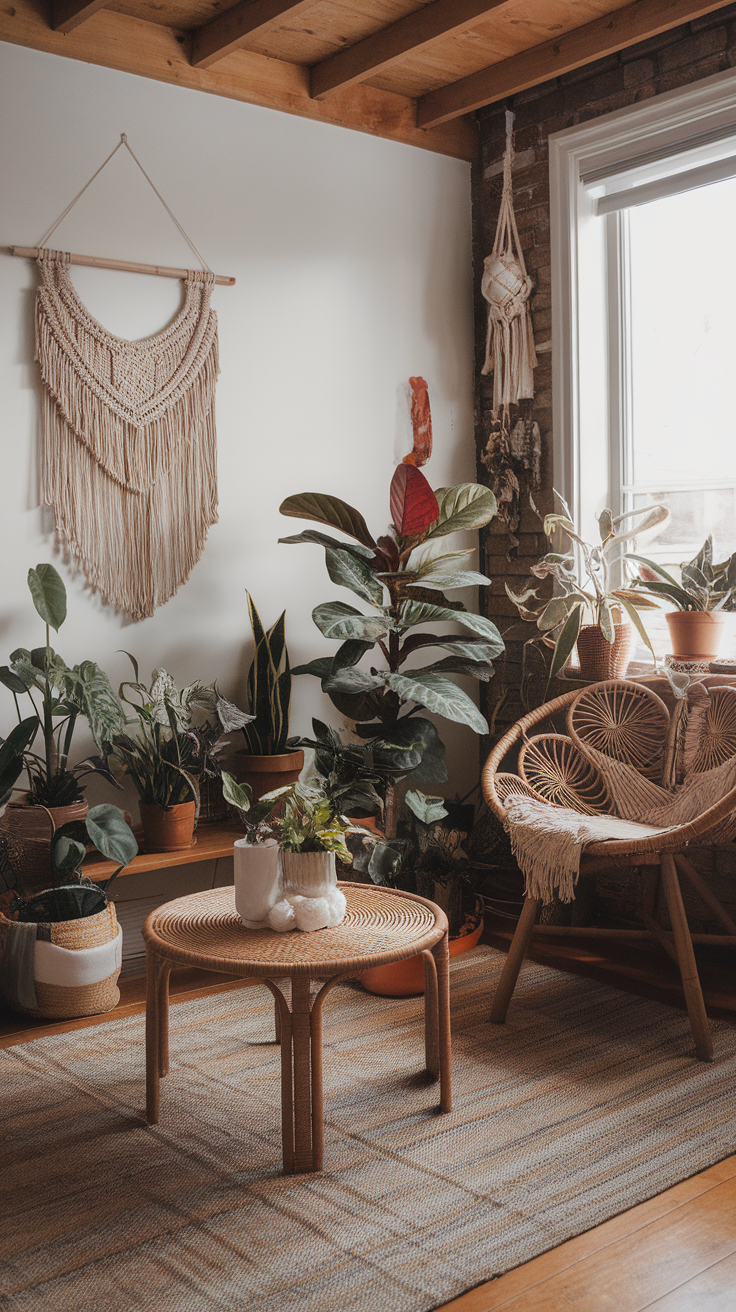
point(587, 1102)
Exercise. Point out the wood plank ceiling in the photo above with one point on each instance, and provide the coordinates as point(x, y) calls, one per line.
point(412, 73)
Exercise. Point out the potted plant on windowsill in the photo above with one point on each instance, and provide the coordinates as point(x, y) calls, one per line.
point(583, 592)
point(166, 756)
point(705, 591)
point(268, 760)
point(59, 695)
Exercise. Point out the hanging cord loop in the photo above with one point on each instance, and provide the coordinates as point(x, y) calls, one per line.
point(124, 142)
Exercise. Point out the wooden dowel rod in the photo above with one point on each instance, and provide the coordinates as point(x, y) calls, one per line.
point(596, 931)
point(126, 266)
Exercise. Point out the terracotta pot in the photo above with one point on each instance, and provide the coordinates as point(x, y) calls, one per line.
point(695, 635)
point(169, 830)
point(600, 659)
point(265, 773)
point(405, 979)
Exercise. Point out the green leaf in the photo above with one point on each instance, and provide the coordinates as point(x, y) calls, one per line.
point(462, 579)
point(335, 619)
point(554, 613)
point(321, 667)
point(439, 695)
point(466, 506)
point(324, 540)
point(235, 794)
point(411, 745)
point(11, 680)
point(566, 641)
point(351, 680)
point(637, 621)
point(349, 571)
point(605, 525)
point(460, 644)
point(87, 688)
point(606, 622)
point(428, 810)
point(429, 556)
point(49, 595)
point(328, 510)
point(11, 753)
point(350, 653)
point(67, 854)
point(111, 834)
point(419, 612)
point(459, 665)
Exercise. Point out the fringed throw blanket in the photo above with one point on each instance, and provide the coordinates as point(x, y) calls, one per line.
point(129, 457)
point(548, 840)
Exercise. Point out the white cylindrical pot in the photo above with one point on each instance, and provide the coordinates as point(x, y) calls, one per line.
point(257, 880)
point(309, 874)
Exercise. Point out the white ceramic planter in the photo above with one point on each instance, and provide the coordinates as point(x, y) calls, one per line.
point(309, 874)
point(257, 880)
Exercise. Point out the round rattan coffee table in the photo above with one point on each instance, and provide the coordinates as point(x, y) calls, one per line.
point(380, 926)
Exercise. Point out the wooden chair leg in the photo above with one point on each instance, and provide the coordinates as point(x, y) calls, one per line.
point(514, 961)
point(431, 1016)
point(163, 1018)
point(441, 954)
point(152, 1037)
point(686, 959)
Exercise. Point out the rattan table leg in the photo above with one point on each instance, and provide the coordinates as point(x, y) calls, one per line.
point(431, 1016)
point(301, 1041)
point(164, 971)
point(318, 1110)
point(152, 1037)
point(276, 1021)
point(441, 954)
point(514, 961)
point(686, 957)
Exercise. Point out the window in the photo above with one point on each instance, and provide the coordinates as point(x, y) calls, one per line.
point(643, 221)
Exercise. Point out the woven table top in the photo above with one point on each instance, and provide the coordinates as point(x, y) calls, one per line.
point(380, 925)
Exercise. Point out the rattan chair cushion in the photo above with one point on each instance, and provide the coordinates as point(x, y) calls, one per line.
point(205, 930)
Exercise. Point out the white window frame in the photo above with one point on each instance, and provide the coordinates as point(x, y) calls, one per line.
point(589, 377)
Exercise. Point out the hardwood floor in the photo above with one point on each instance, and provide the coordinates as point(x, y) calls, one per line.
point(674, 1253)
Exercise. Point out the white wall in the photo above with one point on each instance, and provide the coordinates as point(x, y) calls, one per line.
point(353, 264)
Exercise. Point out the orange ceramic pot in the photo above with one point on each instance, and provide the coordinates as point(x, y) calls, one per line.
point(265, 773)
point(695, 635)
point(405, 979)
point(168, 830)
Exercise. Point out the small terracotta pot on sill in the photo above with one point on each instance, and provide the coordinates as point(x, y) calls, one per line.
point(169, 830)
point(695, 635)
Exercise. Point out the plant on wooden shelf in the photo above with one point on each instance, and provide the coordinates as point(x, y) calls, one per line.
point(606, 642)
point(59, 695)
point(404, 576)
point(168, 754)
point(706, 590)
point(269, 759)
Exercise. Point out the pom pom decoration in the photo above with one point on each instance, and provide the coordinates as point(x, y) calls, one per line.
point(308, 913)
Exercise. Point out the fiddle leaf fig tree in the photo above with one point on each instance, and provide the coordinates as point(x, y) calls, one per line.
point(403, 576)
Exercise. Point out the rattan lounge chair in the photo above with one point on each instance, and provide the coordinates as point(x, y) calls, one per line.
point(626, 723)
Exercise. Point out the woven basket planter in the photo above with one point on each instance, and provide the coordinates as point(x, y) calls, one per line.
point(600, 659)
point(76, 966)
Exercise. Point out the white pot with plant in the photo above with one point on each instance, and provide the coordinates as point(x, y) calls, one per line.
point(586, 609)
point(311, 835)
point(256, 855)
point(705, 591)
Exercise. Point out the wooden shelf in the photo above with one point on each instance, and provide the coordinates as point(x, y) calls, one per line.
point(210, 842)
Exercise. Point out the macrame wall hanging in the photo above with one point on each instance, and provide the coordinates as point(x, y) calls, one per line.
point(514, 452)
point(129, 446)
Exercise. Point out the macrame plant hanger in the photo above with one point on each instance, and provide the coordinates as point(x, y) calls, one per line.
point(510, 353)
point(129, 444)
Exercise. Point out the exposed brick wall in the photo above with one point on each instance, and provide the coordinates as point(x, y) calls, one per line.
point(674, 59)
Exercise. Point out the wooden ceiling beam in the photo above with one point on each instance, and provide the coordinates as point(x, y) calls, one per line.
point(68, 14)
point(406, 36)
point(604, 36)
point(230, 30)
point(133, 45)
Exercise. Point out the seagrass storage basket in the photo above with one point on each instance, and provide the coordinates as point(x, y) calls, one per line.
point(69, 985)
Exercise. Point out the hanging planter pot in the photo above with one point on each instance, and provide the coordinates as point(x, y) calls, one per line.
point(72, 966)
point(600, 659)
point(257, 880)
point(168, 829)
point(695, 635)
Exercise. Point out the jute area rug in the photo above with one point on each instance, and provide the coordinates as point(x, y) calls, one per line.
point(586, 1102)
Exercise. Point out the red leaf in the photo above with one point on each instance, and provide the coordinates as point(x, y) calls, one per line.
point(412, 501)
point(421, 423)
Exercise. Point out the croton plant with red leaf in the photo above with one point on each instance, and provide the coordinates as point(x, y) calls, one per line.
point(404, 576)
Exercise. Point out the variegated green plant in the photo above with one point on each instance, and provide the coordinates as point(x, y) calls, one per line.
point(582, 575)
point(704, 584)
point(403, 576)
point(58, 694)
point(268, 688)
